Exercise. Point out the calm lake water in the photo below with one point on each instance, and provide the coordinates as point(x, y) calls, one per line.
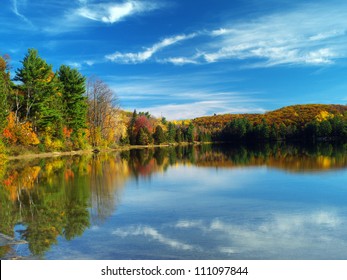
point(201, 202)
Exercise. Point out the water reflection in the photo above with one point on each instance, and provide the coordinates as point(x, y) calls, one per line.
point(47, 200)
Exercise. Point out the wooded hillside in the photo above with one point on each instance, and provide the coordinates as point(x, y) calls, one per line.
point(289, 115)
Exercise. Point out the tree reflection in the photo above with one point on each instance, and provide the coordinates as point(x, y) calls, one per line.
point(64, 196)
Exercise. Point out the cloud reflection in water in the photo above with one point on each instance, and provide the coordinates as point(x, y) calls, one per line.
point(284, 235)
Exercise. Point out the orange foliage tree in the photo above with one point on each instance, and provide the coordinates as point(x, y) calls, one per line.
point(19, 133)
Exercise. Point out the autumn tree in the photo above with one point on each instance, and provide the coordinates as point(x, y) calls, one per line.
point(142, 121)
point(102, 112)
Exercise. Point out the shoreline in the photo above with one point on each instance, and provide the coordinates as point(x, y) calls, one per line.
point(92, 151)
point(119, 149)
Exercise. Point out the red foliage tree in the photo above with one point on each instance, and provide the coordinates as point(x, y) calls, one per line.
point(143, 122)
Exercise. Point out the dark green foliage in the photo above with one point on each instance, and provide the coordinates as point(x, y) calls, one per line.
point(261, 131)
point(5, 91)
point(179, 136)
point(144, 137)
point(73, 98)
point(124, 140)
point(159, 135)
point(339, 127)
point(171, 132)
point(191, 133)
point(312, 130)
point(240, 130)
point(325, 129)
point(42, 104)
point(237, 129)
point(204, 137)
point(131, 127)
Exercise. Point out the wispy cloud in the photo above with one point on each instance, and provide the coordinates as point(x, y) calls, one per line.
point(298, 234)
point(81, 64)
point(201, 108)
point(85, 13)
point(308, 234)
point(148, 52)
point(114, 12)
point(152, 233)
point(306, 35)
point(184, 96)
point(16, 11)
point(179, 60)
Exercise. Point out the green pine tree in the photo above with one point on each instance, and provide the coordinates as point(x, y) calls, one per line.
point(73, 98)
point(42, 103)
point(5, 90)
point(159, 135)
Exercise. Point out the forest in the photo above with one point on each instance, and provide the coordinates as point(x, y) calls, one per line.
point(42, 110)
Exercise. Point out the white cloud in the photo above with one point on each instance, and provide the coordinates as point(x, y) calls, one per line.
point(88, 13)
point(113, 12)
point(179, 60)
point(149, 52)
point(321, 56)
point(76, 65)
point(81, 64)
point(220, 31)
point(16, 11)
point(307, 35)
point(309, 234)
point(293, 235)
point(327, 35)
point(189, 224)
point(90, 62)
point(153, 234)
point(198, 93)
point(200, 108)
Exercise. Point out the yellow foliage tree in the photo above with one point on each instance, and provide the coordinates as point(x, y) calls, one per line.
point(324, 115)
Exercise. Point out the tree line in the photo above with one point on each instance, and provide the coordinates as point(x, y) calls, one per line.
point(59, 110)
point(48, 110)
point(332, 128)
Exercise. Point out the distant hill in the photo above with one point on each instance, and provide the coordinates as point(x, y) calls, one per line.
point(298, 115)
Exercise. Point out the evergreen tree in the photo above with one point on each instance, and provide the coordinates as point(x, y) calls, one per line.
point(171, 132)
point(191, 133)
point(311, 130)
point(42, 101)
point(159, 135)
point(282, 131)
point(144, 137)
point(5, 90)
point(73, 98)
point(325, 128)
point(131, 133)
point(179, 136)
point(339, 127)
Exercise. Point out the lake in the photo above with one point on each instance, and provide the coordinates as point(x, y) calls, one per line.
point(185, 202)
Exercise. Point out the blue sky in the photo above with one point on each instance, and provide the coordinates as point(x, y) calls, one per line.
point(183, 59)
